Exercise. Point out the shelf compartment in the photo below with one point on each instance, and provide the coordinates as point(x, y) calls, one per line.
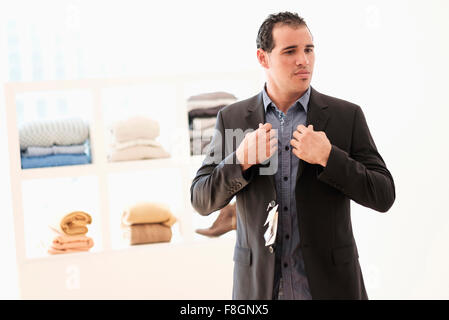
point(55, 198)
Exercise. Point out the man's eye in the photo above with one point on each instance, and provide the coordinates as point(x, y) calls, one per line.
point(309, 50)
point(289, 52)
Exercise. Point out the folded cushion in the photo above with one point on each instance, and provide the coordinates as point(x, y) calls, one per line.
point(45, 133)
point(146, 233)
point(148, 212)
point(137, 127)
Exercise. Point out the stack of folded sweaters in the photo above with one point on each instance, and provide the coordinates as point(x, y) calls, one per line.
point(71, 232)
point(203, 110)
point(50, 143)
point(135, 139)
point(147, 222)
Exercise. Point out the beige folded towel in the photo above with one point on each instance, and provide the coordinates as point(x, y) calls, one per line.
point(73, 223)
point(146, 233)
point(63, 244)
point(137, 127)
point(148, 212)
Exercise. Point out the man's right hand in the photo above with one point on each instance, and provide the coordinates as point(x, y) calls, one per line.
point(257, 146)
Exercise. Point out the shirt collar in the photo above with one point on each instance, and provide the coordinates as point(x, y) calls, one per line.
point(304, 100)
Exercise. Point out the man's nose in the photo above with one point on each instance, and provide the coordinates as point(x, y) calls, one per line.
point(302, 59)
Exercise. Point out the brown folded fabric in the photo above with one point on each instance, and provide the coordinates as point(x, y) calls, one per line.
point(63, 243)
point(73, 223)
point(146, 233)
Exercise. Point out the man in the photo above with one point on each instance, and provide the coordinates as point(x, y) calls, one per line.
point(326, 157)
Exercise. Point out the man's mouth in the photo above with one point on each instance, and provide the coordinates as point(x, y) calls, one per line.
point(302, 74)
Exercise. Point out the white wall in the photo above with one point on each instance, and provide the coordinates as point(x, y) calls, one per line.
point(390, 57)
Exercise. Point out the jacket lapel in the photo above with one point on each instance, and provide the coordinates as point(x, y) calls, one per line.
point(255, 115)
point(317, 115)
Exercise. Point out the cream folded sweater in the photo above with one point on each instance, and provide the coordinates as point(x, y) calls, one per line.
point(137, 127)
point(148, 212)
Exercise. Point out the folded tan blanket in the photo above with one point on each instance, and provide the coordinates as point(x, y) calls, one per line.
point(137, 127)
point(63, 243)
point(73, 223)
point(146, 233)
point(148, 212)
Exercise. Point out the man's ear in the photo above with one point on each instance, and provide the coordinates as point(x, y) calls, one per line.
point(262, 57)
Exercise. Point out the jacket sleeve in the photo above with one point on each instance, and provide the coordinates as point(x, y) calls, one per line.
point(361, 175)
point(220, 176)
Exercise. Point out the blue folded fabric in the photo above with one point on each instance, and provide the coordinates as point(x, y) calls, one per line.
point(54, 160)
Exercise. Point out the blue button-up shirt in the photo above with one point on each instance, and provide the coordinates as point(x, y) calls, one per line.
point(289, 259)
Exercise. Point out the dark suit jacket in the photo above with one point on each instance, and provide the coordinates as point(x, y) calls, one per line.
point(355, 171)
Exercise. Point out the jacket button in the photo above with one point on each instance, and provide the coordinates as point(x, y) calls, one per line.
point(270, 249)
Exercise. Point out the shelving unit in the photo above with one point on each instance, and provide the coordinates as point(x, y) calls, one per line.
point(185, 268)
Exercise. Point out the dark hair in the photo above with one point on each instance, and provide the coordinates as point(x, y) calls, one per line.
point(265, 35)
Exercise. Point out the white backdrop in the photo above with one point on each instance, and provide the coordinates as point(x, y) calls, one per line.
point(390, 57)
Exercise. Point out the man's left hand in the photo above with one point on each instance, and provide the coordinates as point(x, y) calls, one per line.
point(311, 146)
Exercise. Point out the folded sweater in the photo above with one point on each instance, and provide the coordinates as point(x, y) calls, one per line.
point(209, 100)
point(45, 133)
point(135, 142)
point(33, 151)
point(212, 96)
point(146, 233)
point(204, 113)
point(64, 243)
point(137, 152)
point(148, 212)
point(137, 127)
point(54, 160)
point(73, 223)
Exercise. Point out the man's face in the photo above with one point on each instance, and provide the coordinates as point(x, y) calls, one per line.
point(290, 63)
